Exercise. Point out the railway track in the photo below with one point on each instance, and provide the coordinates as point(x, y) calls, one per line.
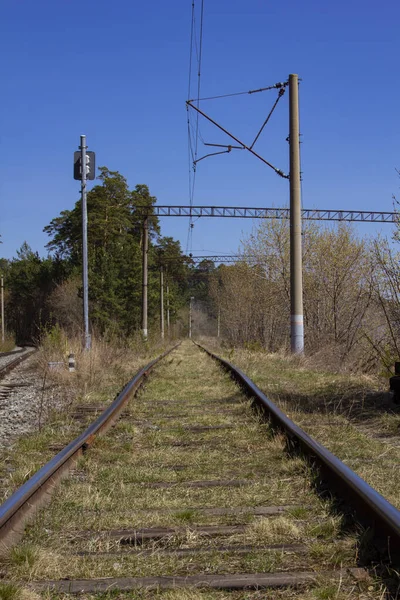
point(18, 403)
point(190, 489)
point(10, 360)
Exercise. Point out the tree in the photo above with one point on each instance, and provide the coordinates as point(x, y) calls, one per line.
point(115, 229)
point(254, 296)
point(30, 280)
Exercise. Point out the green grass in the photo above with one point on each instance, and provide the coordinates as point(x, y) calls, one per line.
point(23, 555)
point(9, 591)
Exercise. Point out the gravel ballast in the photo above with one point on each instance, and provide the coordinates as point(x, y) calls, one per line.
point(25, 399)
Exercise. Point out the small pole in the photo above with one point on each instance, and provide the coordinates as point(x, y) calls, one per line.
point(168, 322)
point(162, 301)
point(71, 362)
point(190, 316)
point(145, 251)
point(296, 267)
point(85, 245)
point(219, 322)
point(2, 310)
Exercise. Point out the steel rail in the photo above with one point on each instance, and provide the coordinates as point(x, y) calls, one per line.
point(12, 352)
point(14, 363)
point(371, 507)
point(24, 502)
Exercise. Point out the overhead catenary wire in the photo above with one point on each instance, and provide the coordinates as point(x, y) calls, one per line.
point(191, 155)
point(194, 132)
point(194, 103)
point(199, 73)
point(191, 50)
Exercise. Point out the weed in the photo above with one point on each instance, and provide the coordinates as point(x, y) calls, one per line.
point(327, 529)
point(24, 555)
point(326, 592)
point(9, 591)
point(299, 512)
point(186, 516)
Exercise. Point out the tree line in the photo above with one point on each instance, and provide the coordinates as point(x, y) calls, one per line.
point(351, 285)
point(351, 295)
point(41, 292)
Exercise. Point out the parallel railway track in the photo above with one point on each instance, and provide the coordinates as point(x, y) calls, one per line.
point(190, 490)
point(10, 360)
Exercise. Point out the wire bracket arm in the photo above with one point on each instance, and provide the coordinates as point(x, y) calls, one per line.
point(250, 149)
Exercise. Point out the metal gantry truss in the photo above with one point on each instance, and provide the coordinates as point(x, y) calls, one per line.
point(311, 214)
point(224, 258)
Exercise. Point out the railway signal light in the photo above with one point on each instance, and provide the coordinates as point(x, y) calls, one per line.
point(90, 166)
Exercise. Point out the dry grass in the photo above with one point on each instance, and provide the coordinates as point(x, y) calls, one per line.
point(272, 531)
point(9, 343)
point(348, 414)
point(112, 491)
point(100, 375)
point(99, 372)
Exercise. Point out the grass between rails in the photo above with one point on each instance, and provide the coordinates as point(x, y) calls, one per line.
point(109, 490)
point(346, 413)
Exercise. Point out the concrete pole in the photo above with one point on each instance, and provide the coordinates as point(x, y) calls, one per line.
point(162, 302)
point(168, 321)
point(190, 316)
point(145, 251)
point(85, 277)
point(296, 267)
point(2, 310)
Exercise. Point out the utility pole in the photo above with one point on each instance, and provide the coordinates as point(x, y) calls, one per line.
point(145, 251)
point(296, 267)
point(190, 316)
point(219, 322)
point(168, 323)
point(2, 309)
point(162, 301)
point(84, 245)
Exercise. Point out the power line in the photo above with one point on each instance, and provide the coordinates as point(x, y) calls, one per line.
point(191, 50)
point(193, 144)
point(199, 73)
point(191, 151)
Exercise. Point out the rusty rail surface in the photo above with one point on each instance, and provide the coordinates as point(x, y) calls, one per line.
point(25, 501)
point(371, 509)
point(21, 355)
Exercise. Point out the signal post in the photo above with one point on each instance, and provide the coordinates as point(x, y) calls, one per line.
point(84, 169)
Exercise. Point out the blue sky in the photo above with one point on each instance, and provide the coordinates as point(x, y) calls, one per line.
point(118, 72)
